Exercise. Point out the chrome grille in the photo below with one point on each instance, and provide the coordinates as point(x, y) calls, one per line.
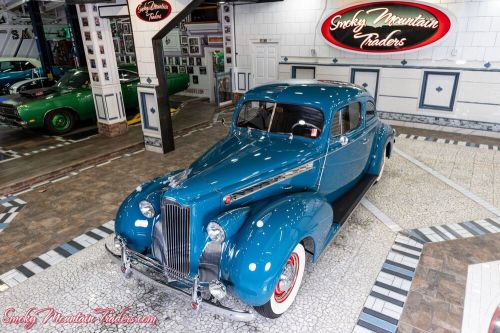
point(176, 230)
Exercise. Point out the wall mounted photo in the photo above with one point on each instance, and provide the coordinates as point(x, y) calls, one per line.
point(85, 22)
point(182, 26)
point(167, 69)
point(194, 41)
point(203, 71)
point(184, 40)
point(90, 50)
point(87, 35)
point(229, 60)
point(92, 63)
point(184, 61)
point(226, 9)
point(215, 39)
point(194, 50)
point(95, 77)
point(182, 69)
point(129, 43)
point(195, 79)
point(227, 29)
point(177, 61)
point(198, 61)
point(115, 45)
point(101, 49)
point(171, 60)
point(227, 19)
point(191, 61)
point(228, 50)
point(97, 22)
point(127, 28)
point(174, 69)
point(106, 76)
point(82, 8)
point(190, 69)
point(184, 50)
point(104, 64)
point(99, 35)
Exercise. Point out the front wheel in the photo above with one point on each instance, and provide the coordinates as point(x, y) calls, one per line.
point(59, 121)
point(287, 287)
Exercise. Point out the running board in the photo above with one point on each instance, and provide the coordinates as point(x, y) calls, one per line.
point(344, 206)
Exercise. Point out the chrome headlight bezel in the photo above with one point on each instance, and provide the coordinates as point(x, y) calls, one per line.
point(215, 232)
point(147, 209)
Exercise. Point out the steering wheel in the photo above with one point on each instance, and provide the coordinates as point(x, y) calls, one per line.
point(304, 123)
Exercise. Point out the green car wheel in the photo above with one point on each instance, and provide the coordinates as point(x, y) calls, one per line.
point(59, 121)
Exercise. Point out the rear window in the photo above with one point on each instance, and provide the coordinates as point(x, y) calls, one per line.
point(281, 118)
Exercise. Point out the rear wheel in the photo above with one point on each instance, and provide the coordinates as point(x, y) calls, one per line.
point(60, 121)
point(382, 166)
point(287, 287)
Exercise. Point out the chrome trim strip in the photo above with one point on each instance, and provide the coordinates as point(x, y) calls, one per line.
point(240, 194)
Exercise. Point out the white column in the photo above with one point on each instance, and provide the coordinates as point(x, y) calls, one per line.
point(103, 71)
point(156, 127)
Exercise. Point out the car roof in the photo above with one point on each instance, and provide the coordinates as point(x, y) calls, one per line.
point(323, 94)
point(34, 61)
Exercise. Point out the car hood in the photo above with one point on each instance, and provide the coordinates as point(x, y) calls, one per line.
point(30, 95)
point(240, 160)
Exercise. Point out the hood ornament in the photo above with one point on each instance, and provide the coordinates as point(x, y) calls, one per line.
point(177, 179)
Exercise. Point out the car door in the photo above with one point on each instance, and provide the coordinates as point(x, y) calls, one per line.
point(370, 129)
point(343, 162)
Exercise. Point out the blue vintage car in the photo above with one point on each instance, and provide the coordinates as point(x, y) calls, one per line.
point(298, 158)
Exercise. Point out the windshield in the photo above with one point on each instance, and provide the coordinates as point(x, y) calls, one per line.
point(281, 118)
point(74, 79)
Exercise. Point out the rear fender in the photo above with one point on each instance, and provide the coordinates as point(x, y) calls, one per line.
point(384, 137)
point(253, 259)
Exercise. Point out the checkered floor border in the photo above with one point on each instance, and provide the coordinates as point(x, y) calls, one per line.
point(447, 141)
point(384, 305)
point(54, 256)
point(9, 208)
point(8, 154)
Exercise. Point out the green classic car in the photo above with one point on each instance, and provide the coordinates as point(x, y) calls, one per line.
point(58, 108)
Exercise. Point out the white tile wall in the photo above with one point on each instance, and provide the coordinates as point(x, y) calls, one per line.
point(473, 41)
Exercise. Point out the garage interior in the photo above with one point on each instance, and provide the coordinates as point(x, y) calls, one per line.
point(421, 251)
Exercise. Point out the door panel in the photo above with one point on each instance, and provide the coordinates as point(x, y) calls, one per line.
point(265, 63)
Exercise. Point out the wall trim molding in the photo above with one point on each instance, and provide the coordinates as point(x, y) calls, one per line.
point(471, 69)
point(440, 121)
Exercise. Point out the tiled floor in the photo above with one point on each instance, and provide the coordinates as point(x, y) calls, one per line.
point(367, 267)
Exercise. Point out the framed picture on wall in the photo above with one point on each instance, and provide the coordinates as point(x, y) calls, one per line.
point(194, 50)
point(182, 69)
point(116, 46)
point(190, 69)
point(195, 79)
point(177, 61)
point(87, 35)
point(184, 50)
point(129, 43)
point(194, 41)
point(92, 63)
point(184, 61)
point(171, 60)
point(198, 61)
point(184, 40)
point(85, 22)
point(191, 61)
point(203, 71)
point(174, 69)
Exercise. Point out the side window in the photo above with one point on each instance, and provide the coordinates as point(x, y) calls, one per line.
point(370, 111)
point(351, 117)
point(27, 65)
point(336, 129)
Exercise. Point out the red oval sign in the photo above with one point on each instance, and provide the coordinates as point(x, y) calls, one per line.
point(385, 26)
point(153, 10)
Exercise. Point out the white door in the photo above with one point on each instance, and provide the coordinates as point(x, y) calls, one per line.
point(367, 78)
point(265, 64)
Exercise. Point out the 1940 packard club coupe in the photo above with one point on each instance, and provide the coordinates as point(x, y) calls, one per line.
point(298, 158)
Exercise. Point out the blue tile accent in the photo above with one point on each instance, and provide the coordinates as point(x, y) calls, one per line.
point(69, 248)
point(378, 322)
point(400, 270)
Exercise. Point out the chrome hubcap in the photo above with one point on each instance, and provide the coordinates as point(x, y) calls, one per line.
point(286, 278)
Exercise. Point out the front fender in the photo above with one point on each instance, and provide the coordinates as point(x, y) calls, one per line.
point(253, 259)
point(130, 224)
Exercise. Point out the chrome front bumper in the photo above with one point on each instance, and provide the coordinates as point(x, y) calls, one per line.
point(130, 262)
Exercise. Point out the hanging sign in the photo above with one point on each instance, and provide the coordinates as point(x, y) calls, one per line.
point(153, 10)
point(385, 26)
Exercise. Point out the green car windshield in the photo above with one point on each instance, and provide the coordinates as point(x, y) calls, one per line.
point(74, 80)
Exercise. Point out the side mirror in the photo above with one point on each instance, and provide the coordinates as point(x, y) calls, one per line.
point(343, 140)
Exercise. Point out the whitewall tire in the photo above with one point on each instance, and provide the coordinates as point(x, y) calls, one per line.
point(381, 168)
point(288, 285)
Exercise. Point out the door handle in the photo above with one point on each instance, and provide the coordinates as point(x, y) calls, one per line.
point(343, 140)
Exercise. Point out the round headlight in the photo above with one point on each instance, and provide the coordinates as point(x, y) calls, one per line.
point(215, 232)
point(146, 209)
